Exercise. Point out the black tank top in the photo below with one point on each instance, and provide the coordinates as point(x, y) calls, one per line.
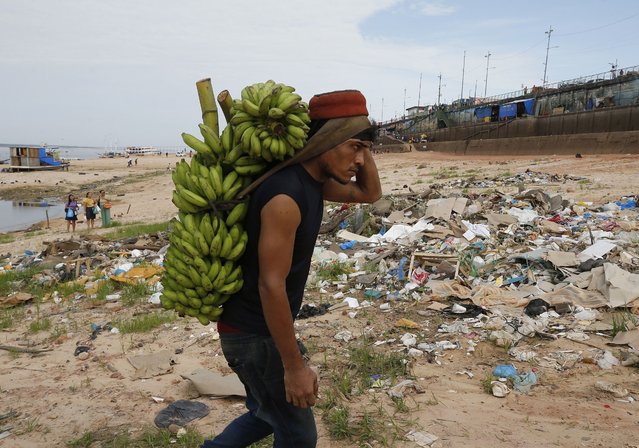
point(243, 311)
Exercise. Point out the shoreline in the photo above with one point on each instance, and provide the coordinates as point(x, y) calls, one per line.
point(142, 193)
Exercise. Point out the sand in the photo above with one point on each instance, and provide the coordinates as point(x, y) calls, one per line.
point(60, 397)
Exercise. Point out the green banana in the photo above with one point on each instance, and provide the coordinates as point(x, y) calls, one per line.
point(183, 205)
point(237, 214)
point(211, 298)
point(201, 243)
point(191, 197)
point(212, 140)
point(184, 281)
point(207, 187)
point(216, 246)
point(276, 113)
point(288, 100)
point(196, 144)
point(207, 228)
point(232, 288)
point(250, 170)
point(296, 131)
point(229, 181)
point(295, 120)
point(227, 139)
point(233, 154)
point(227, 245)
point(235, 274)
point(237, 251)
point(250, 107)
point(214, 270)
point(233, 191)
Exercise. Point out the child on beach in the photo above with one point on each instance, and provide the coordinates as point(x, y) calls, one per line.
point(71, 212)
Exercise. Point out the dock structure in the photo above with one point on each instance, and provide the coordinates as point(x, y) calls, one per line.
point(34, 158)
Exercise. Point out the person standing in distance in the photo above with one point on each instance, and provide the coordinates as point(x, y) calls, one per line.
point(283, 221)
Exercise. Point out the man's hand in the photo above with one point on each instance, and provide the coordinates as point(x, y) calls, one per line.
point(301, 386)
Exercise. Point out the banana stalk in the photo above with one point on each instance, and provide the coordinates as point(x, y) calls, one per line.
point(226, 101)
point(207, 104)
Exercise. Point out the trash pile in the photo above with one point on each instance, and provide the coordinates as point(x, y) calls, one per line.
point(512, 270)
point(508, 269)
point(89, 263)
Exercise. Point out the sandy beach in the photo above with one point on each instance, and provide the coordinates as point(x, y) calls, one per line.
point(142, 193)
point(60, 398)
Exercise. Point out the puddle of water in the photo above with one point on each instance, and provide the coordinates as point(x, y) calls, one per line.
point(18, 215)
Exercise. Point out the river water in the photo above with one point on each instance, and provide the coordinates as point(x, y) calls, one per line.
point(16, 215)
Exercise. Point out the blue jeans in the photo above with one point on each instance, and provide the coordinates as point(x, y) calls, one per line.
point(257, 362)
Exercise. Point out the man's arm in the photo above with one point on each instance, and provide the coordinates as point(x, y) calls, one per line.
point(280, 218)
point(365, 188)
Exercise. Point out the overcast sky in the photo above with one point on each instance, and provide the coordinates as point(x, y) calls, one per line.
point(101, 72)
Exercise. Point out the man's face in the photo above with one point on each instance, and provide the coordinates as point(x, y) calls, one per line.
point(344, 161)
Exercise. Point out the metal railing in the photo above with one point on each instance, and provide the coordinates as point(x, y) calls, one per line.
point(534, 91)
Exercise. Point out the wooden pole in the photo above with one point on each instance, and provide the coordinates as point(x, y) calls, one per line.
point(207, 104)
point(47, 212)
point(225, 100)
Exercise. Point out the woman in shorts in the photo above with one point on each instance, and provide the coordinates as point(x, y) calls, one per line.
point(71, 212)
point(89, 204)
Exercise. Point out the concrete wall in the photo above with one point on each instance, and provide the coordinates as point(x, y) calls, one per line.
point(587, 143)
point(401, 147)
point(617, 119)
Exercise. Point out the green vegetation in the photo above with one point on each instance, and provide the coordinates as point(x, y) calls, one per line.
point(39, 325)
point(8, 317)
point(487, 383)
point(620, 321)
point(144, 323)
point(7, 278)
point(105, 287)
point(149, 438)
point(446, 173)
point(133, 230)
point(354, 373)
point(135, 294)
point(266, 442)
point(333, 270)
point(70, 288)
point(6, 238)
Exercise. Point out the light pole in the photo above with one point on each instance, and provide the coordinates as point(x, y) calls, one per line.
point(404, 114)
point(382, 119)
point(463, 72)
point(549, 32)
point(439, 89)
point(487, 56)
point(419, 94)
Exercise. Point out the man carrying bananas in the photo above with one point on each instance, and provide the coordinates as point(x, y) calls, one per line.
point(283, 221)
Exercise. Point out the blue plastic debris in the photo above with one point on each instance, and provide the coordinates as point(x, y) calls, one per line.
point(399, 271)
point(347, 245)
point(630, 203)
point(505, 371)
point(372, 294)
point(343, 224)
point(524, 382)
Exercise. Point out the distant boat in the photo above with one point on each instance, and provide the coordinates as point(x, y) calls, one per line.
point(112, 154)
point(142, 151)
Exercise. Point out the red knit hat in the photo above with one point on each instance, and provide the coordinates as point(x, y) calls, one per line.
point(338, 104)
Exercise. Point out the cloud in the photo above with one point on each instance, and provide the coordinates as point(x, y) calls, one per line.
point(437, 9)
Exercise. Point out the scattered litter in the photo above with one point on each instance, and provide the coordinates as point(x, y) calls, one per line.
point(615, 389)
point(180, 413)
point(422, 439)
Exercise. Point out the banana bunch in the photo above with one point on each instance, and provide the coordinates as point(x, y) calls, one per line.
point(208, 238)
point(200, 269)
point(270, 121)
